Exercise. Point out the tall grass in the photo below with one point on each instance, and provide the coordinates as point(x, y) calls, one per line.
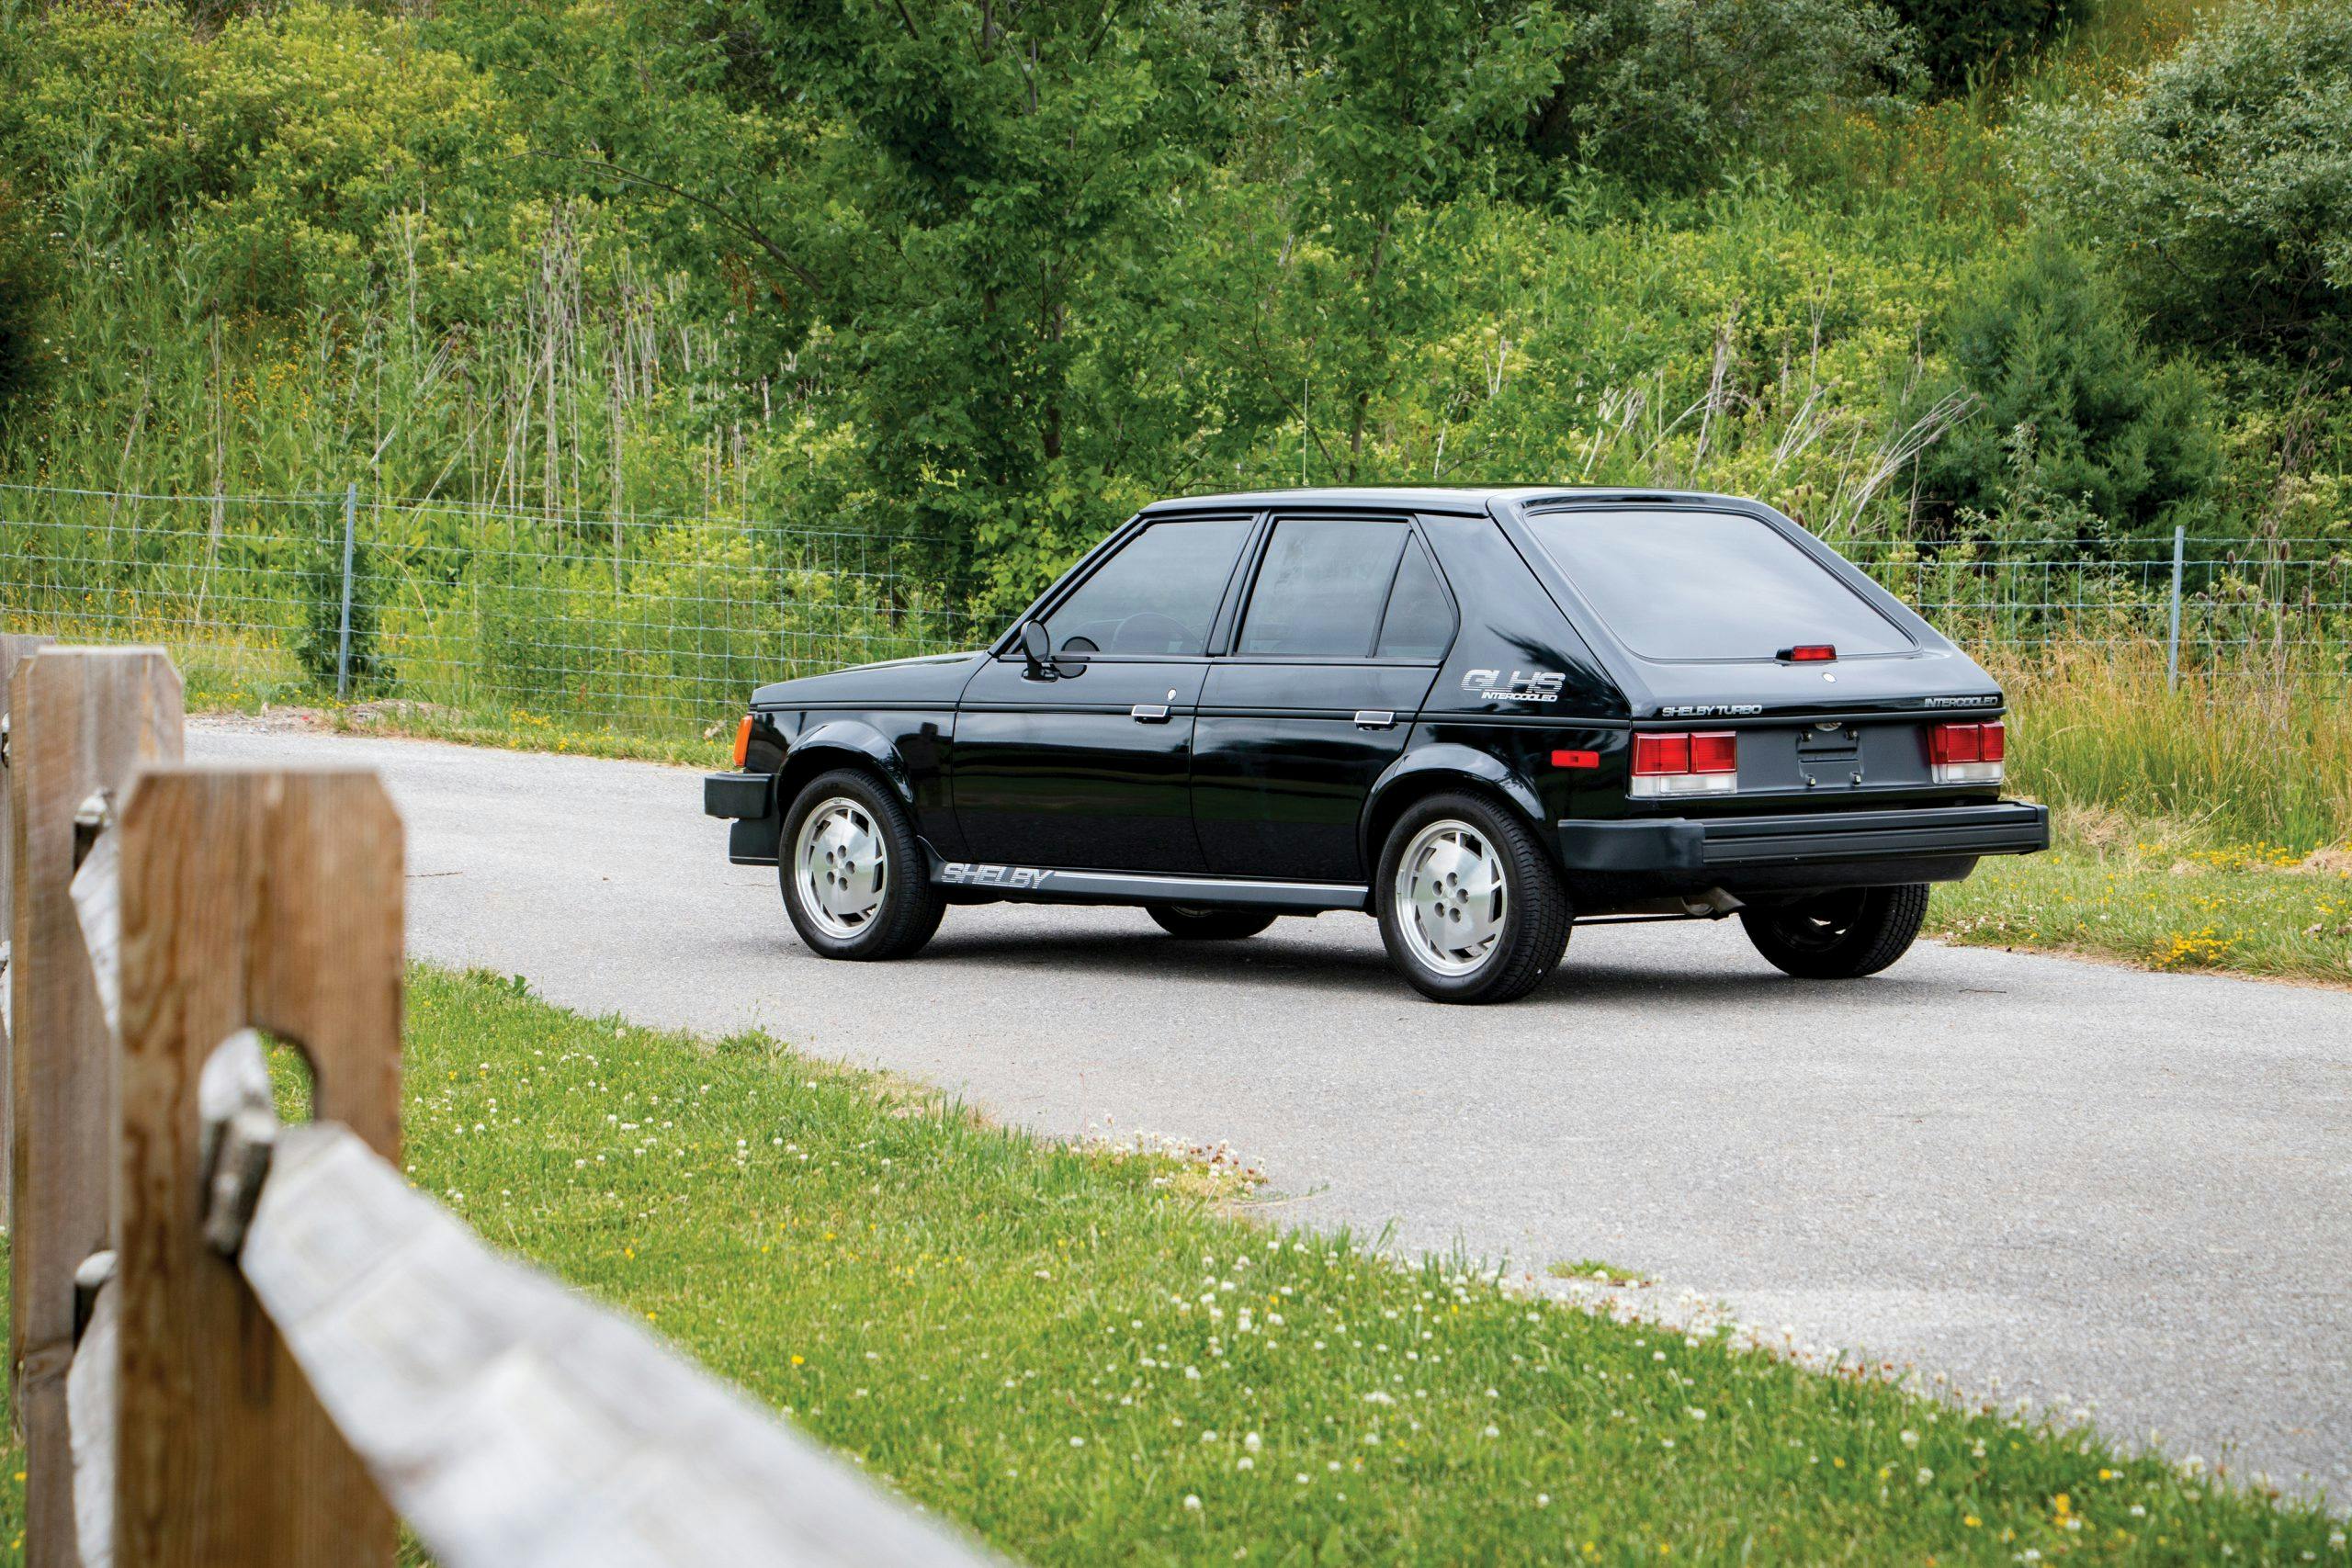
point(2251, 754)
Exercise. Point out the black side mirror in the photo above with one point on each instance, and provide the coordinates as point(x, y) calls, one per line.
point(1037, 647)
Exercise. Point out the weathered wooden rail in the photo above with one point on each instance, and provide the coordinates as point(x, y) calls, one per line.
point(259, 1345)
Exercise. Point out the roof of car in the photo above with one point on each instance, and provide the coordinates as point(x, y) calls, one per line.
point(1425, 498)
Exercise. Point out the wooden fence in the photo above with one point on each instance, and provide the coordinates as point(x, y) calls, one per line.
point(238, 1343)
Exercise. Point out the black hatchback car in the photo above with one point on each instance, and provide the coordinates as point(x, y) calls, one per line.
point(1482, 716)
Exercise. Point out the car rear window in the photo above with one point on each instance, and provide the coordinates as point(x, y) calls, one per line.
point(1675, 584)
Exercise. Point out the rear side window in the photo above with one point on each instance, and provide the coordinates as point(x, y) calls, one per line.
point(1682, 585)
point(1420, 623)
point(1322, 588)
point(1156, 596)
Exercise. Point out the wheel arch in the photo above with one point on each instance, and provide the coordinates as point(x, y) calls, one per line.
point(842, 742)
point(1427, 770)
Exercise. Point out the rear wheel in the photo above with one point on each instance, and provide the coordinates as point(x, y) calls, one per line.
point(854, 878)
point(1470, 910)
point(1842, 935)
point(1196, 924)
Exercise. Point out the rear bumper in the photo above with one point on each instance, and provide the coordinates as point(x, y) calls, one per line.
point(1717, 848)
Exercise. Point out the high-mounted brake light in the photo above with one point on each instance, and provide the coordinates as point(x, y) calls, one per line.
point(1808, 653)
point(743, 740)
point(1967, 753)
point(1676, 762)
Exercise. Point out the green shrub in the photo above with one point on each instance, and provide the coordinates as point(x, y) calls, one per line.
point(2081, 427)
point(24, 307)
point(318, 636)
point(1959, 38)
point(1662, 94)
point(2220, 190)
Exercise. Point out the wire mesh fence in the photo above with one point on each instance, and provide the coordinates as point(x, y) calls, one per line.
point(2227, 606)
point(656, 623)
point(633, 623)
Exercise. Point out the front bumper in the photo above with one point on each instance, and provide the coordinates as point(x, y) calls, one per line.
point(736, 794)
point(749, 800)
point(1716, 847)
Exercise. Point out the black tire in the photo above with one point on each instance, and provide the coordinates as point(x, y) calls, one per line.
point(1194, 924)
point(906, 908)
point(1841, 935)
point(1536, 918)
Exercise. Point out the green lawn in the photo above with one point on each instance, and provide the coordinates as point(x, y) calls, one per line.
point(2162, 902)
point(1074, 1351)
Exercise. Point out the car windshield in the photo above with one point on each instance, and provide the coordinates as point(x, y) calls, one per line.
point(1676, 585)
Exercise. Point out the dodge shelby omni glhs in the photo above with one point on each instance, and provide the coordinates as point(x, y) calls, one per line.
point(1480, 716)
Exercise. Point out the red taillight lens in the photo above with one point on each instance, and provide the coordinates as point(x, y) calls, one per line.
point(1717, 752)
point(1809, 653)
point(1993, 743)
point(1656, 754)
point(1950, 743)
point(743, 740)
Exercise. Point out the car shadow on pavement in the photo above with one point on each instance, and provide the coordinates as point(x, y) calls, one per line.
point(1301, 965)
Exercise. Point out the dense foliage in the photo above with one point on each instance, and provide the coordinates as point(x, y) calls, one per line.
point(2223, 190)
point(995, 273)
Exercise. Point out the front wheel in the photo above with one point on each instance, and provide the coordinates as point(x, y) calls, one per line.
point(1839, 936)
point(1195, 924)
point(852, 870)
point(1470, 910)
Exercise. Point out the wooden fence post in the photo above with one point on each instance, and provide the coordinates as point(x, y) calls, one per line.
point(14, 647)
point(80, 720)
point(269, 900)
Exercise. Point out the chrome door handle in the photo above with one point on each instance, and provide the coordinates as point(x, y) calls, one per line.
point(1149, 713)
point(1374, 719)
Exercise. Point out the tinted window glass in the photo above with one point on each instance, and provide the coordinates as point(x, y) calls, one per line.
point(1321, 588)
point(1419, 622)
point(1708, 585)
point(1157, 595)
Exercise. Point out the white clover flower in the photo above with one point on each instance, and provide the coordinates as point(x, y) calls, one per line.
point(1253, 1443)
point(1494, 1431)
point(1910, 1438)
point(1192, 1504)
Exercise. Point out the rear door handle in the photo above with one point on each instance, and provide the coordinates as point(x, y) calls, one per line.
point(1149, 713)
point(1374, 719)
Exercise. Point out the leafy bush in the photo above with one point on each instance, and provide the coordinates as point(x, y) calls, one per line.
point(1661, 94)
point(24, 307)
point(2220, 191)
point(1957, 39)
point(2081, 423)
point(318, 636)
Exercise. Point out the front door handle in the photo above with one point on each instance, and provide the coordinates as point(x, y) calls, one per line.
point(1374, 719)
point(1149, 713)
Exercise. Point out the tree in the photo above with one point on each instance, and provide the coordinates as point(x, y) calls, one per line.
point(1961, 38)
point(993, 174)
point(2220, 191)
point(2077, 410)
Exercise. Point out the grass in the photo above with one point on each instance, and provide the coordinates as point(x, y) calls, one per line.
point(2164, 897)
point(1070, 1352)
point(1597, 1271)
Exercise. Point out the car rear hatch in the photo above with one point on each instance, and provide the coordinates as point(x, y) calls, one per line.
point(1727, 621)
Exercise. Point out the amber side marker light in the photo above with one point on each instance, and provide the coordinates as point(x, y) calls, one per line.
point(742, 740)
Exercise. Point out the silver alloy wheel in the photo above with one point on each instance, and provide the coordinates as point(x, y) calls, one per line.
point(841, 867)
point(1450, 897)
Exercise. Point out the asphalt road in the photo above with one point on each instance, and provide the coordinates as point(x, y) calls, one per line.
point(2080, 1185)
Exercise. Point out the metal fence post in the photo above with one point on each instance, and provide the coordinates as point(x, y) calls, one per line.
point(342, 642)
point(2172, 647)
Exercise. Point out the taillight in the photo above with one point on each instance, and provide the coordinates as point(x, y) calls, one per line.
point(1808, 653)
point(1682, 763)
point(1967, 753)
point(743, 740)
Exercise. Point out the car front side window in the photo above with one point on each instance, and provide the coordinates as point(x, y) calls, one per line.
point(1155, 597)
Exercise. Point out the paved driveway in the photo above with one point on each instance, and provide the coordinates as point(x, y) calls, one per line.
point(2081, 1185)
